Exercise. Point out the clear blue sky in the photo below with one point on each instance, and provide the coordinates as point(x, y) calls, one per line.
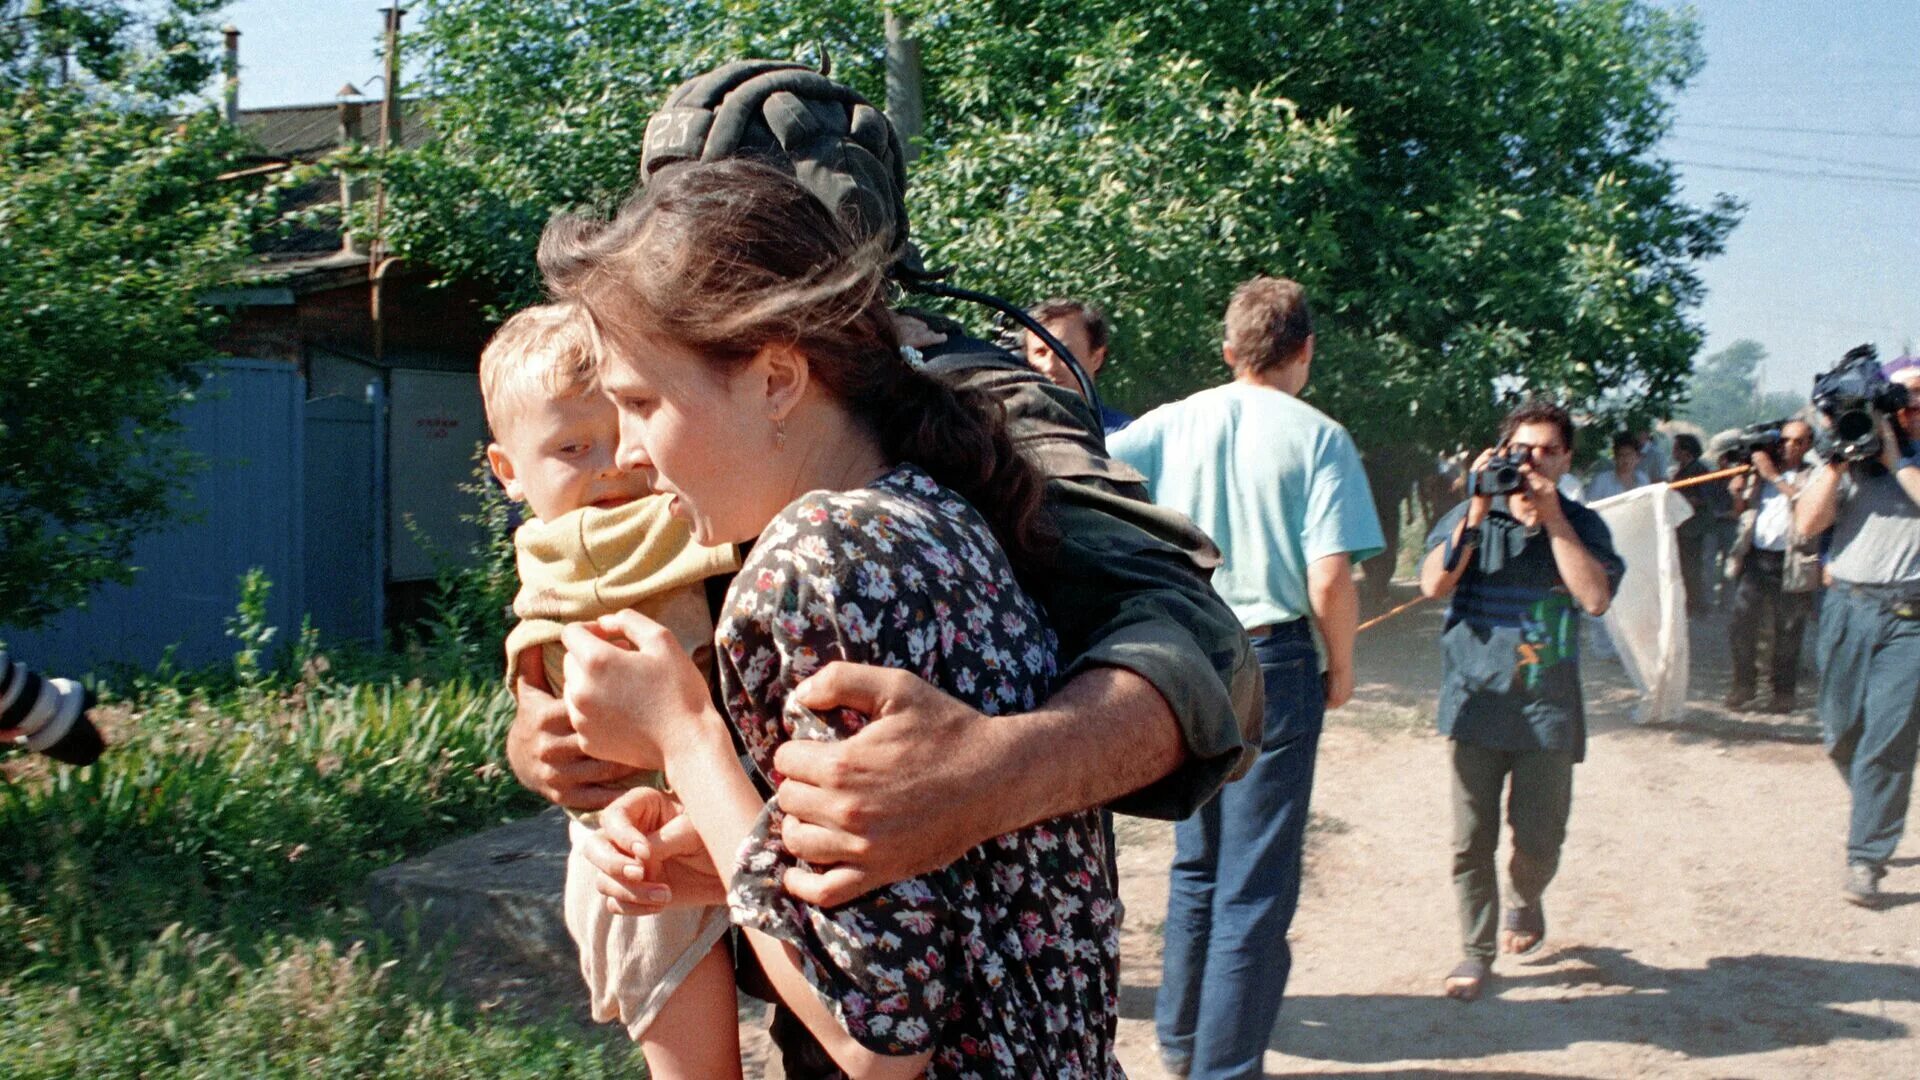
point(299, 52)
point(1824, 261)
point(1827, 257)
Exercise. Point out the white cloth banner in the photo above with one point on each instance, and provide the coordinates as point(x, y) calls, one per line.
point(1648, 617)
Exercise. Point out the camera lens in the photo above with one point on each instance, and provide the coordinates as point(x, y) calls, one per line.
point(1853, 425)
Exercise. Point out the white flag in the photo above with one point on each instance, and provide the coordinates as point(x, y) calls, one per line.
point(1648, 617)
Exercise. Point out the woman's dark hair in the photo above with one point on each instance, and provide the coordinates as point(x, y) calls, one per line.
point(1688, 443)
point(726, 258)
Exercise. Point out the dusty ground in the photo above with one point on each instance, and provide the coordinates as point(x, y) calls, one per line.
point(1696, 928)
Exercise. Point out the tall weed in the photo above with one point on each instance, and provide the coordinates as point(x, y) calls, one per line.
point(247, 812)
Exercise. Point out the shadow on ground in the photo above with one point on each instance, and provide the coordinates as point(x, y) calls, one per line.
point(1734, 1005)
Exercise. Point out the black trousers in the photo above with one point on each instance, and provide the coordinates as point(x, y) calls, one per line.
point(1692, 577)
point(1759, 606)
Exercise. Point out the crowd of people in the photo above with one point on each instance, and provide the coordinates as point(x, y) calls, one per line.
point(844, 632)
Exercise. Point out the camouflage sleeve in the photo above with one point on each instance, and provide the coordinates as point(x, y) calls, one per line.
point(1132, 592)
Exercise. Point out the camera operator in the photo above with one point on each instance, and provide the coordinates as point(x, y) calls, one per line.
point(1870, 633)
point(1519, 563)
point(1777, 570)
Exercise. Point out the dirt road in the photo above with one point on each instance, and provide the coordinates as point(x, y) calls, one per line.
point(1696, 927)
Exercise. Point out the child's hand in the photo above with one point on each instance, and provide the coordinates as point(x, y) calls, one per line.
point(632, 692)
point(649, 857)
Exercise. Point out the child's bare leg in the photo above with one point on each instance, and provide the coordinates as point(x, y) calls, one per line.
point(697, 1033)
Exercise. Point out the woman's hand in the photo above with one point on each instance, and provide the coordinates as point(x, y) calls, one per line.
point(633, 693)
point(649, 857)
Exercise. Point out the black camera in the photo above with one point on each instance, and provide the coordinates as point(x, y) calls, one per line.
point(1762, 438)
point(1499, 476)
point(1852, 396)
point(50, 714)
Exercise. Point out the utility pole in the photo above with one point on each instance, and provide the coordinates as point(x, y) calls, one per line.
point(390, 106)
point(377, 261)
point(906, 108)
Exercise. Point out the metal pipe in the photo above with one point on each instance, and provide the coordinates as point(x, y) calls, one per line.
point(230, 68)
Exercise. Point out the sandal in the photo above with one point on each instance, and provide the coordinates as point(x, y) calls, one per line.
point(1530, 921)
point(1468, 979)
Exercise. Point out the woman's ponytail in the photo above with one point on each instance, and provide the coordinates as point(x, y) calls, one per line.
point(959, 437)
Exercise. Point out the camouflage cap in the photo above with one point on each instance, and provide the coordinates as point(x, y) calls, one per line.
point(834, 141)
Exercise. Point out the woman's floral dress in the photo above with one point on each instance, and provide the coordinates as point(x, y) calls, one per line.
point(1006, 962)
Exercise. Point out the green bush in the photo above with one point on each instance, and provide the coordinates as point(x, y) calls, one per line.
point(191, 1007)
point(230, 814)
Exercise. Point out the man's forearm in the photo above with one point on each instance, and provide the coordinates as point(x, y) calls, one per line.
point(1336, 608)
point(1105, 734)
point(1437, 579)
point(1585, 578)
point(1814, 511)
point(1909, 478)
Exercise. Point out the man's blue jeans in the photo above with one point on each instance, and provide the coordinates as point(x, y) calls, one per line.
point(1236, 881)
point(1870, 714)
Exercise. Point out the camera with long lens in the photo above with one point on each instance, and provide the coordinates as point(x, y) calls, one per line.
point(50, 714)
point(1499, 476)
point(1852, 396)
point(1762, 438)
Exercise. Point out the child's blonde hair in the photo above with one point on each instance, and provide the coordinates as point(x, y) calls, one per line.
point(546, 349)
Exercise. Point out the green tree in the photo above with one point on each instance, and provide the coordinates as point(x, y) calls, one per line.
point(1724, 390)
point(1469, 188)
point(111, 225)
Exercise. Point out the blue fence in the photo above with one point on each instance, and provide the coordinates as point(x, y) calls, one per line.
point(245, 510)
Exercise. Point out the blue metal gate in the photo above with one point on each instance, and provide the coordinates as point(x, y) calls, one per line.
point(244, 511)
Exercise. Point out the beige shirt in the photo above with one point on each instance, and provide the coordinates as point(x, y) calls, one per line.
point(593, 562)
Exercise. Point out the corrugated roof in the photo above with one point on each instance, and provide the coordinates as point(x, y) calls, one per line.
point(305, 132)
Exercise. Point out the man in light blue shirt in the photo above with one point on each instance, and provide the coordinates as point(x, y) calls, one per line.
point(1278, 485)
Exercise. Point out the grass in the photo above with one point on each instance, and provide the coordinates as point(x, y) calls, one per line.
point(189, 906)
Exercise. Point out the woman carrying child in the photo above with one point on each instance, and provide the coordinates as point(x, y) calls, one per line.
point(746, 341)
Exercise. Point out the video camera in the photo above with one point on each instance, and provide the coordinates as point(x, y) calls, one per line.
point(51, 714)
point(1499, 476)
point(1762, 438)
point(1852, 396)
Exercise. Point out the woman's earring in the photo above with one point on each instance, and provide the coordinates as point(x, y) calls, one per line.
point(779, 434)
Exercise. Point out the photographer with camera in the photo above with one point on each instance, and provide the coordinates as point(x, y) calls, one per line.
point(1776, 567)
point(1868, 493)
point(1520, 564)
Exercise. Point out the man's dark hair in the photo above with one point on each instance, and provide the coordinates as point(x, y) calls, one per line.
point(1060, 307)
point(1689, 443)
point(1268, 323)
point(1626, 440)
point(1538, 412)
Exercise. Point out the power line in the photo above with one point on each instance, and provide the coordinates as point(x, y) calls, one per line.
point(1912, 135)
point(1896, 182)
point(1897, 171)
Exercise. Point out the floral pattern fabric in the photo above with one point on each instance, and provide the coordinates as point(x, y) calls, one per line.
point(1006, 962)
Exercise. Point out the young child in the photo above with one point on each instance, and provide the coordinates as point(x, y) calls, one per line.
point(600, 541)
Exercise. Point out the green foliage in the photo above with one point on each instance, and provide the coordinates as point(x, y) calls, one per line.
point(249, 629)
point(188, 906)
point(1724, 390)
point(471, 608)
point(189, 1005)
point(1470, 189)
point(111, 227)
point(157, 48)
point(232, 813)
